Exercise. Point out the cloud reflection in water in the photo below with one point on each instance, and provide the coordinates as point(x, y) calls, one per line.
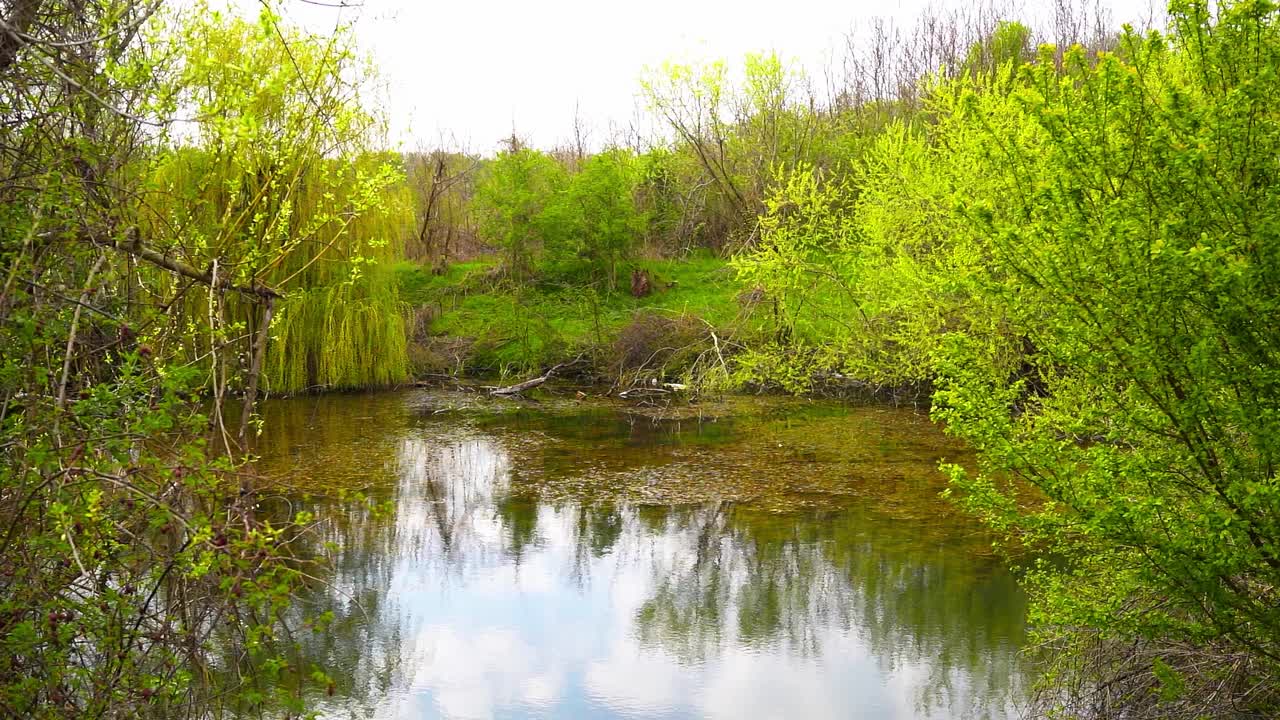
point(482, 597)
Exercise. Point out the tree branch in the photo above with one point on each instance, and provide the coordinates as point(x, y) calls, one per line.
point(135, 247)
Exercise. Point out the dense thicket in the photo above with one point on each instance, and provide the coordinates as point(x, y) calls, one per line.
point(1080, 254)
point(168, 183)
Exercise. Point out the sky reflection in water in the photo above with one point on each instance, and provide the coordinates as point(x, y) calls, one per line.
point(535, 565)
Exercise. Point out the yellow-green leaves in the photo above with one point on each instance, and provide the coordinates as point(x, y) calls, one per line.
point(278, 179)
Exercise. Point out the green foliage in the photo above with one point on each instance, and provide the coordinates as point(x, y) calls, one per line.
point(122, 561)
point(570, 227)
point(511, 197)
point(1080, 253)
point(594, 222)
point(660, 199)
point(136, 577)
point(278, 188)
point(730, 135)
point(341, 336)
point(1129, 243)
point(873, 269)
point(1009, 44)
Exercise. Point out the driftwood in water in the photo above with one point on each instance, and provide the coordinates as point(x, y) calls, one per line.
point(527, 384)
point(431, 380)
point(652, 391)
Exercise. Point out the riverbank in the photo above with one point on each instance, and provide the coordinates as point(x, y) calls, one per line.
point(681, 316)
point(696, 323)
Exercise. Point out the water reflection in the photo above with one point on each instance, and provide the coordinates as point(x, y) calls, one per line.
point(534, 565)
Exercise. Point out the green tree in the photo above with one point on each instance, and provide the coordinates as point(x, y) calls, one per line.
point(1080, 254)
point(730, 136)
point(594, 221)
point(278, 186)
point(1009, 43)
point(510, 197)
point(871, 268)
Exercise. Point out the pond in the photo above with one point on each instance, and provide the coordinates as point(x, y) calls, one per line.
point(577, 558)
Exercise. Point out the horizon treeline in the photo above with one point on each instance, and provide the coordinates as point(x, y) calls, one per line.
point(731, 127)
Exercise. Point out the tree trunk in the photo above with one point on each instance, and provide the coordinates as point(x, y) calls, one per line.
point(22, 14)
point(255, 368)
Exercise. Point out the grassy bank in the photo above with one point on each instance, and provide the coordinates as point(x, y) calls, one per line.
point(469, 319)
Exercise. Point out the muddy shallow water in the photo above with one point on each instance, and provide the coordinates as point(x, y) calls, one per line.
point(753, 558)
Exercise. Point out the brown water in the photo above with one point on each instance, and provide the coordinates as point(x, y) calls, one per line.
point(576, 559)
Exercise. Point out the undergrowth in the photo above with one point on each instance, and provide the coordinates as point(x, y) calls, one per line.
point(513, 329)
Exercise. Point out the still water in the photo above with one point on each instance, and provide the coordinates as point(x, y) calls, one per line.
point(756, 558)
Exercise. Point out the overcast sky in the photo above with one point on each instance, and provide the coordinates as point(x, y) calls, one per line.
point(469, 71)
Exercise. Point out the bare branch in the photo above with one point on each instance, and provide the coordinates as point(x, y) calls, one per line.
point(134, 246)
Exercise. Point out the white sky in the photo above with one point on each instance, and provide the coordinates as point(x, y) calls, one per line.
point(466, 72)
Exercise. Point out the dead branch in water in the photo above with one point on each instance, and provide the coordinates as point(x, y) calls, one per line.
point(518, 388)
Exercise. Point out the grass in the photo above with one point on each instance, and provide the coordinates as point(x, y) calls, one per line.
point(518, 329)
point(419, 286)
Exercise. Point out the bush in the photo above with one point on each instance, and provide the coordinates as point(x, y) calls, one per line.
point(1131, 245)
point(511, 197)
point(659, 346)
point(593, 226)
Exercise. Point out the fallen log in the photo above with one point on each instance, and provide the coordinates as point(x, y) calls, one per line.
point(652, 391)
point(526, 385)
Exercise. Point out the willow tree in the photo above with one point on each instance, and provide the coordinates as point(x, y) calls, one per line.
point(276, 185)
